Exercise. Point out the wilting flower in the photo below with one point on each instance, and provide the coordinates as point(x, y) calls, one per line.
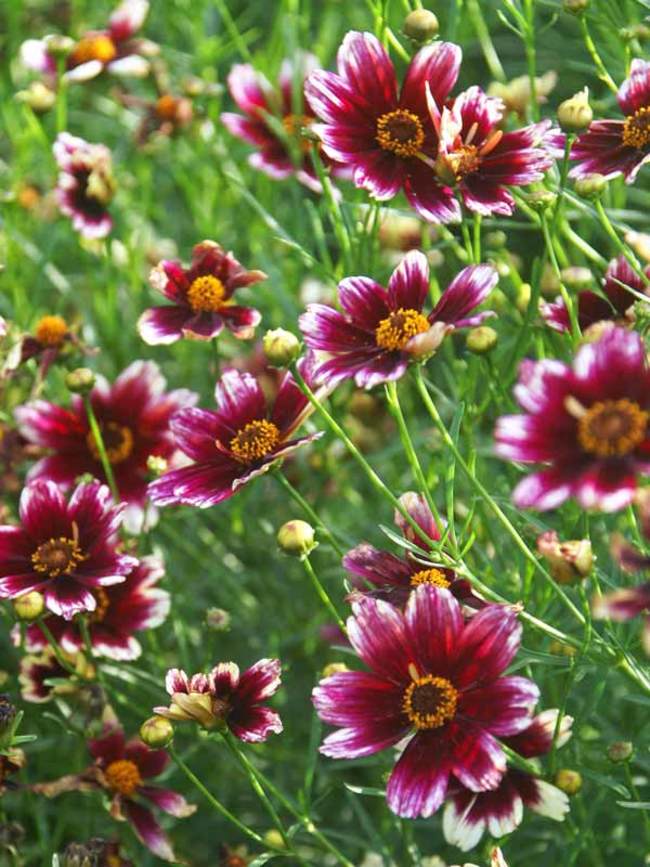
point(37, 670)
point(614, 147)
point(85, 185)
point(95, 853)
point(389, 141)
point(134, 417)
point(132, 606)
point(437, 680)
point(112, 49)
point(224, 698)
point(587, 423)
point(66, 550)
point(468, 814)
point(259, 100)
point(568, 561)
point(380, 330)
point(386, 576)
point(202, 298)
point(51, 336)
point(614, 305)
point(244, 438)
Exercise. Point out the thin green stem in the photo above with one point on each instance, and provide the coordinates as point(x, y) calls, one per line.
point(590, 45)
point(568, 301)
point(311, 514)
point(58, 653)
point(485, 40)
point(323, 594)
point(620, 245)
point(101, 448)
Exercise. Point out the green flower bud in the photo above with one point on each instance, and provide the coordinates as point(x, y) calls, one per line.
point(620, 751)
point(577, 277)
point(590, 187)
point(568, 781)
point(81, 380)
point(296, 538)
point(157, 732)
point(482, 339)
point(281, 347)
point(522, 299)
point(38, 97)
point(58, 45)
point(421, 26)
point(575, 7)
point(575, 114)
point(496, 240)
point(217, 619)
point(541, 200)
point(29, 606)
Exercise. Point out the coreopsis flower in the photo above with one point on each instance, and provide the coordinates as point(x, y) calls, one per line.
point(436, 680)
point(386, 576)
point(614, 147)
point(51, 334)
point(134, 417)
point(258, 101)
point(85, 185)
point(381, 330)
point(388, 140)
point(66, 550)
point(38, 670)
point(122, 609)
point(112, 50)
point(587, 423)
point(165, 116)
point(201, 296)
point(225, 698)
point(613, 305)
point(243, 439)
point(468, 815)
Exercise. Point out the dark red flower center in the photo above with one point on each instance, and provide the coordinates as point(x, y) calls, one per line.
point(98, 47)
point(51, 330)
point(118, 442)
point(429, 701)
point(612, 428)
point(255, 440)
point(435, 577)
point(636, 129)
point(395, 331)
point(206, 294)
point(400, 132)
point(57, 557)
point(103, 604)
point(123, 776)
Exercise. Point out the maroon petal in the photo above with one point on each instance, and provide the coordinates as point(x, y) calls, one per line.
point(359, 699)
point(248, 88)
point(434, 627)
point(504, 707)
point(623, 604)
point(418, 508)
point(162, 325)
point(289, 405)
point(533, 438)
point(377, 631)
point(17, 585)
point(43, 511)
point(327, 329)
point(252, 131)
point(607, 485)
point(486, 198)
point(433, 201)
point(487, 645)
point(634, 93)
point(241, 320)
point(196, 431)
point(601, 151)
point(546, 490)
point(466, 291)
point(15, 548)
point(67, 598)
point(477, 759)
point(151, 763)
point(468, 814)
point(202, 485)
point(148, 830)
point(438, 65)
point(366, 67)
point(365, 302)
point(600, 368)
point(260, 681)
point(168, 801)
point(377, 567)
point(109, 747)
point(409, 283)
point(240, 399)
point(379, 172)
point(48, 425)
point(418, 783)
point(253, 725)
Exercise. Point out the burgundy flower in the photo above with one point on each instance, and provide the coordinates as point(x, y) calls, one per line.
point(201, 296)
point(587, 423)
point(134, 416)
point(614, 147)
point(386, 576)
point(52, 335)
point(132, 606)
point(436, 680)
point(38, 670)
point(625, 604)
point(112, 49)
point(389, 141)
point(613, 305)
point(66, 550)
point(225, 698)
point(234, 445)
point(380, 330)
point(468, 814)
point(85, 185)
point(257, 99)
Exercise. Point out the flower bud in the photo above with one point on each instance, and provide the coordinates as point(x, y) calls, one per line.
point(575, 7)
point(522, 298)
point(58, 45)
point(157, 465)
point(541, 200)
point(421, 25)
point(334, 668)
point(568, 781)
point(281, 347)
point(576, 277)
point(569, 562)
point(217, 619)
point(496, 240)
point(274, 838)
point(29, 606)
point(38, 97)
point(591, 187)
point(575, 114)
point(296, 538)
point(559, 648)
point(81, 380)
point(549, 283)
point(482, 339)
point(156, 732)
point(620, 751)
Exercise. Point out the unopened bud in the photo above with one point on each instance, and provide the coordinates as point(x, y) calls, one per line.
point(38, 97)
point(575, 7)
point(281, 347)
point(569, 562)
point(575, 114)
point(156, 732)
point(217, 619)
point(576, 277)
point(549, 283)
point(421, 25)
point(496, 240)
point(274, 838)
point(482, 339)
point(568, 781)
point(334, 668)
point(157, 465)
point(559, 648)
point(541, 200)
point(591, 187)
point(81, 380)
point(29, 606)
point(58, 45)
point(522, 298)
point(620, 751)
point(296, 538)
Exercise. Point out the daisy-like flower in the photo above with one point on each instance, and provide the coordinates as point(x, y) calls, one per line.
point(241, 440)
point(134, 417)
point(381, 330)
point(201, 296)
point(85, 185)
point(224, 698)
point(615, 147)
point(614, 305)
point(38, 670)
point(51, 335)
point(386, 576)
point(132, 606)
point(66, 550)
point(112, 50)
point(587, 423)
point(380, 135)
point(435, 680)
point(467, 815)
point(258, 100)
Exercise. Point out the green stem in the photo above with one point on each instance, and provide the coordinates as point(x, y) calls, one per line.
point(101, 448)
point(603, 74)
point(51, 640)
point(323, 594)
point(568, 301)
point(620, 245)
point(311, 514)
point(483, 35)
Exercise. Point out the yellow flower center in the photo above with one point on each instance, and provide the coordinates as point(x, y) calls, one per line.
point(103, 604)
point(57, 557)
point(636, 129)
point(429, 702)
point(118, 442)
point(123, 776)
point(612, 428)
point(395, 331)
point(453, 167)
point(254, 441)
point(400, 132)
point(99, 47)
point(206, 294)
point(435, 577)
point(166, 107)
point(51, 330)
